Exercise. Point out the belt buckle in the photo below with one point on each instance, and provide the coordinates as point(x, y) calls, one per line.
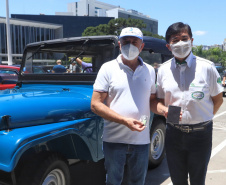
point(185, 129)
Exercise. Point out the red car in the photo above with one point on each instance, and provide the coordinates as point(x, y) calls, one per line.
point(8, 76)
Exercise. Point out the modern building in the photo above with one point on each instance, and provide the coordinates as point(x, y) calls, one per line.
point(217, 46)
point(151, 24)
point(73, 26)
point(100, 9)
point(205, 47)
point(87, 8)
point(224, 45)
point(24, 32)
point(80, 15)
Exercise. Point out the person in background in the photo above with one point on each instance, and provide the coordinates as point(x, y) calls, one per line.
point(224, 78)
point(121, 95)
point(156, 67)
point(87, 66)
point(74, 68)
point(59, 68)
point(192, 83)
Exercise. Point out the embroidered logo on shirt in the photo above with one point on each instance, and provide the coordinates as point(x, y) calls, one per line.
point(219, 80)
point(198, 95)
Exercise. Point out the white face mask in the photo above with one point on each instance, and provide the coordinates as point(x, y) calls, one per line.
point(181, 49)
point(129, 51)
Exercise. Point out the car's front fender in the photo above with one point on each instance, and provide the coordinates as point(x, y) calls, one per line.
point(15, 142)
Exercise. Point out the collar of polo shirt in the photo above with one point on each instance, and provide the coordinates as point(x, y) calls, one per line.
point(179, 63)
point(188, 60)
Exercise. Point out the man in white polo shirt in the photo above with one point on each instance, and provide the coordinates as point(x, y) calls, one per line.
point(192, 83)
point(122, 91)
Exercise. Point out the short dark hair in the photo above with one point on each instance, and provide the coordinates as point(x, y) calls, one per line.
point(176, 28)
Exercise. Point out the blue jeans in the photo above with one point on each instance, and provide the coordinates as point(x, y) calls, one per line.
point(188, 153)
point(135, 157)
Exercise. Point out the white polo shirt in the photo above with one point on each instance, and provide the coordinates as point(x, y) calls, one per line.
point(189, 86)
point(128, 94)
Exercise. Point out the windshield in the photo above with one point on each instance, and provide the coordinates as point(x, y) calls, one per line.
point(8, 74)
point(68, 58)
point(53, 62)
point(151, 58)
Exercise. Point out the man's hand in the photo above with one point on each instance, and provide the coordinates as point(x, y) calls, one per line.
point(165, 112)
point(134, 124)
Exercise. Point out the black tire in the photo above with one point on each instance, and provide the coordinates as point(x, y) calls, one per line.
point(224, 94)
point(54, 170)
point(43, 168)
point(157, 146)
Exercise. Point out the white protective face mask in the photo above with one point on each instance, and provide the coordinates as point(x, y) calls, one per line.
point(129, 51)
point(181, 49)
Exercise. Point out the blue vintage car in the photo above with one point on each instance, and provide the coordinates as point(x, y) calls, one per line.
point(46, 121)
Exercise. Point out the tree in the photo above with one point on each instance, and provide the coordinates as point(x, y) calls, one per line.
point(115, 26)
point(148, 33)
point(215, 55)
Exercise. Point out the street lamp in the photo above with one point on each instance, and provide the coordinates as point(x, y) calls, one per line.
point(8, 35)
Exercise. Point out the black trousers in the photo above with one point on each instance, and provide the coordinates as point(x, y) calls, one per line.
point(188, 153)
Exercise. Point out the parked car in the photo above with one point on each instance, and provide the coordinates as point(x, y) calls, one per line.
point(224, 92)
point(220, 69)
point(8, 76)
point(47, 121)
point(37, 69)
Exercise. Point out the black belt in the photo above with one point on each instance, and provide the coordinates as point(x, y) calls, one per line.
point(191, 128)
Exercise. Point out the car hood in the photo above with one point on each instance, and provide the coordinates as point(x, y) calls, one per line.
point(31, 105)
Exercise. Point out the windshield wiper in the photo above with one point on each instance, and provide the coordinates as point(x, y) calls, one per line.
point(41, 46)
point(85, 42)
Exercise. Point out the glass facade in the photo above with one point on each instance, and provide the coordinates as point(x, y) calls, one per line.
point(151, 25)
point(73, 26)
point(21, 36)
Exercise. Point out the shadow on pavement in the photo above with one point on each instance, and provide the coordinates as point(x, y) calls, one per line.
point(93, 173)
point(158, 175)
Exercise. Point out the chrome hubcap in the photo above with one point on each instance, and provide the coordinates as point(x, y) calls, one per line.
point(157, 144)
point(55, 177)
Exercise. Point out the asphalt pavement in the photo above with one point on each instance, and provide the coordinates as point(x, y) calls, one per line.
point(94, 174)
point(216, 174)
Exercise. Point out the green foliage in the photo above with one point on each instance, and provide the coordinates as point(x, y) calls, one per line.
point(115, 26)
point(215, 55)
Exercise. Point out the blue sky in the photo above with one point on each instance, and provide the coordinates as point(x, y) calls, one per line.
point(206, 18)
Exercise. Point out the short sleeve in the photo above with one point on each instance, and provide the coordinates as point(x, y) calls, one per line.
point(215, 82)
point(84, 65)
point(102, 81)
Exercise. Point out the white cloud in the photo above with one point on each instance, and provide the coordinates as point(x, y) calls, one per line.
point(199, 33)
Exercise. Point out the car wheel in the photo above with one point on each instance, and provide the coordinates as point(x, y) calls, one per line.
point(157, 145)
point(53, 171)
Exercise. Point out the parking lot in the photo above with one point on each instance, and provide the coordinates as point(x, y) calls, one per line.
point(93, 173)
